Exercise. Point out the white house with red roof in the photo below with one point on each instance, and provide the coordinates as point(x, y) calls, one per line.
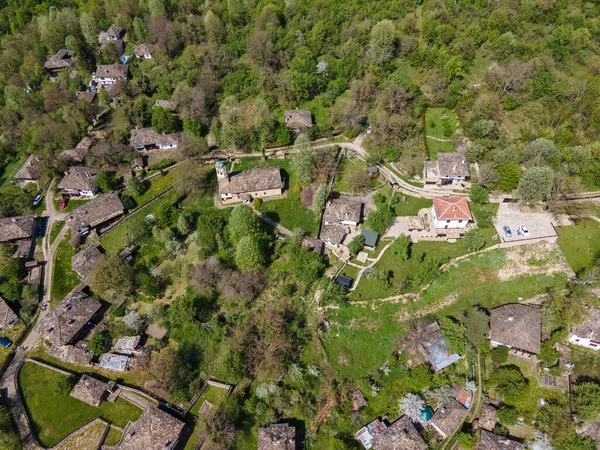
point(451, 212)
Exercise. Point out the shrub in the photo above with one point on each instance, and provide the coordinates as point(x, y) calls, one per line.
point(499, 354)
point(507, 415)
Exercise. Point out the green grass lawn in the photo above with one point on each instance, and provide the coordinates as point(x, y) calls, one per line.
point(211, 394)
point(9, 171)
point(580, 243)
point(55, 415)
point(349, 170)
point(113, 437)
point(410, 206)
point(434, 123)
point(287, 211)
point(156, 186)
point(72, 205)
point(64, 278)
point(434, 147)
point(13, 333)
point(56, 228)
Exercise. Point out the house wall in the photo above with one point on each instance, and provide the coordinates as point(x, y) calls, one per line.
point(236, 198)
point(343, 222)
point(76, 193)
point(584, 342)
point(448, 223)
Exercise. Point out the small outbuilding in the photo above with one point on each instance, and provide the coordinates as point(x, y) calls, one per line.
point(91, 390)
point(112, 361)
point(448, 417)
point(358, 401)
point(344, 281)
point(371, 238)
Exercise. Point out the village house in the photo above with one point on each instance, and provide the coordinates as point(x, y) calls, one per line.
point(448, 417)
point(110, 74)
point(127, 345)
point(30, 171)
point(65, 323)
point(93, 391)
point(333, 235)
point(113, 33)
point(79, 182)
point(518, 327)
point(343, 211)
point(84, 260)
point(112, 361)
point(314, 244)
point(453, 168)
point(366, 434)
point(488, 417)
point(279, 436)
point(171, 105)
point(491, 441)
point(154, 430)
point(462, 396)
point(433, 347)
point(148, 139)
point(244, 186)
point(358, 401)
point(8, 318)
point(119, 46)
point(587, 333)
point(88, 96)
point(77, 154)
point(298, 119)
point(96, 212)
point(62, 60)
point(592, 430)
point(451, 212)
point(144, 51)
point(18, 232)
point(138, 165)
point(401, 434)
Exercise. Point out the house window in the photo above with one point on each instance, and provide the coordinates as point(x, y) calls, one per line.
point(460, 221)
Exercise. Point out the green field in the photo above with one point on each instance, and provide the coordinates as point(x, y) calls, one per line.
point(55, 415)
point(580, 243)
point(113, 437)
point(349, 170)
point(213, 395)
point(64, 278)
point(410, 206)
point(287, 211)
point(441, 123)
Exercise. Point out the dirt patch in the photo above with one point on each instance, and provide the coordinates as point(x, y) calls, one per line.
point(534, 259)
point(306, 196)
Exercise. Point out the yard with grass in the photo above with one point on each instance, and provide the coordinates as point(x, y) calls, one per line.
point(214, 395)
point(350, 170)
point(287, 211)
point(54, 415)
point(407, 205)
point(580, 243)
point(56, 228)
point(441, 123)
point(13, 333)
point(113, 437)
point(72, 204)
point(64, 278)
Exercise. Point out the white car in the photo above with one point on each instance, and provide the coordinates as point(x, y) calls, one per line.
point(370, 129)
point(37, 200)
point(524, 230)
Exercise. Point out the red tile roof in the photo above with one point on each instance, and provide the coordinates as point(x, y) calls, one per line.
point(452, 208)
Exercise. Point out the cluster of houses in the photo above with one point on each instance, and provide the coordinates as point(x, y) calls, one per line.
point(514, 325)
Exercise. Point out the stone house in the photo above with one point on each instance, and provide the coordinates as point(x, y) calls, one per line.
point(8, 318)
point(343, 211)
point(84, 260)
point(491, 441)
point(298, 119)
point(127, 345)
point(79, 182)
point(453, 168)
point(367, 433)
point(114, 33)
point(96, 212)
point(148, 139)
point(246, 185)
point(62, 60)
point(587, 333)
point(154, 430)
point(401, 434)
point(144, 51)
point(451, 213)
point(448, 417)
point(110, 74)
point(19, 232)
point(93, 391)
point(518, 327)
point(30, 171)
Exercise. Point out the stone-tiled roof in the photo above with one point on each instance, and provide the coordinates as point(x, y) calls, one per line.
point(112, 71)
point(96, 211)
point(16, 228)
point(452, 208)
point(491, 441)
point(143, 49)
point(90, 390)
point(30, 170)
point(154, 430)
point(432, 346)
point(76, 155)
point(590, 328)
point(488, 417)
point(253, 180)
point(83, 261)
point(79, 179)
point(85, 95)
point(517, 325)
point(333, 234)
point(297, 118)
point(358, 401)
point(401, 434)
point(277, 437)
point(7, 316)
point(127, 344)
point(453, 165)
point(315, 244)
point(142, 137)
point(342, 209)
point(64, 322)
point(114, 32)
point(448, 417)
point(114, 362)
point(63, 59)
point(166, 104)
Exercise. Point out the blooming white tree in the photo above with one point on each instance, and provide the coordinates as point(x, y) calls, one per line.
point(471, 386)
point(265, 390)
point(134, 321)
point(374, 390)
point(314, 371)
point(412, 405)
point(322, 67)
point(541, 441)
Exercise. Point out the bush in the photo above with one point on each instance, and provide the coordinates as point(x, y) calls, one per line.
point(479, 194)
point(499, 354)
point(507, 415)
point(256, 202)
point(162, 164)
point(356, 244)
point(474, 240)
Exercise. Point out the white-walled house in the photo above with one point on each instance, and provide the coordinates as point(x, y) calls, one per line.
point(110, 74)
point(343, 211)
point(79, 182)
point(587, 334)
point(451, 212)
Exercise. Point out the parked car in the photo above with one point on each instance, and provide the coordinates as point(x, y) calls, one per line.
point(83, 231)
point(370, 129)
point(5, 342)
point(37, 199)
point(524, 230)
point(507, 231)
point(63, 203)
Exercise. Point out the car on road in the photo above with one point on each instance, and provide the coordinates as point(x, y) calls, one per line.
point(507, 231)
point(63, 203)
point(524, 230)
point(5, 342)
point(83, 231)
point(37, 199)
